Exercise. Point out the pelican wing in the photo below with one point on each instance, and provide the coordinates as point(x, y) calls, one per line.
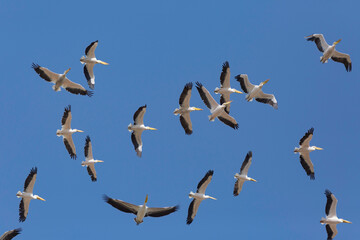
point(88, 149)
point(66, 119)
point(193, 208)
point(342, 58)
point(121, 205)
point(24, 209)
point(206, 97)
point(186, 123)
point(307, 165)
point(139, 115)
point(10, 234)
point(201, 187)
point(228, 120)
point(319, 41)
point(69, 144)
point(331, 231)
point(305, 140)
point(90, 50)
point(184, 100)
point(75, 88)
point(246, 164)
point(136, 140)
point(330, 208)
point(159, 212)
point(238, 186)
point(91, 171)
point(267, 99)
point(45, 73)
point(225, 75)
point(245, 84)
point(225, 98)
point(89, 74)
point(30, 180)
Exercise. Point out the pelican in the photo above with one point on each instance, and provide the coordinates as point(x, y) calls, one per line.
point(217, 111)
point(60, 80)
point(27, 195)
point(185, 109)
point(255, 91)
point(140, 211)
point(138, 128)
point(329, 51)
point(66, 132)
point(225, 90)
point(199, 196)
point(89, 159)
point(242, 177)
point(90, 60)
point(304, 151)
point(10, 234)
point(331, 219)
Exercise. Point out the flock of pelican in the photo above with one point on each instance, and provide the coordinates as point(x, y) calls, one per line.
point(220, 111)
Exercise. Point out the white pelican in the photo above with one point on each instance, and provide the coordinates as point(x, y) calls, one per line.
point(10, 234)
point(199, 196)
point(27, 195)
point(255, 91)
point(242, 177)
point(185, 109)
point(138, 128)
point(60, 80)
point(90, 60)
point(66, 132)
point(225, 90)
point(217, 111)
point(331, 219)
point(304, 151)
point(140, 211)
point(89, 159)
point(329, 51)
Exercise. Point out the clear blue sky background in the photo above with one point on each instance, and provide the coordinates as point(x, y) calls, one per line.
point(154, 48)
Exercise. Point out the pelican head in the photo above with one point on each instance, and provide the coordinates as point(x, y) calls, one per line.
point(263, 83)
point(345, 221)
point(66, 71)
point(335, 43)
point(150, 128)
point(317, 148)
point(39, 198)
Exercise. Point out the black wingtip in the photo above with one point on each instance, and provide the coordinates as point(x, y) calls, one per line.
point(89, 93)
point(33, 170)
point(105, 198)
point(225, 65)
point(311, 130)
point(328, 193)
point(35, 66)
point(87, 139)
point(249, 153)
point(198, 85)
point(188, 221)
point(210, 172)
point(312, 176)
point(189, 85)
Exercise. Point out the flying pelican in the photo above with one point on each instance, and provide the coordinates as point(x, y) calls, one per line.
point(199, 196)
point(217, 111)
point(255, 91)
point(90, 60)
point(67, 132)
point(329, 51)
point(242, 177)
point(225, 90)
point(10, 234)
point(140, 211)
point(89, 159)
point(27, 195)
point(60, 80)
point(138, 128)
point(185, 109)
point(304, 151)
point(331, 219)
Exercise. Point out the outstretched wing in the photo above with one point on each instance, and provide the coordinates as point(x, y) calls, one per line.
point(186, 123)
point(342, 58)
point(307, 165)
point(159, 212)
point(45, 73)
point(319, 41)
point(75, 88)
point(121, 205)
point(90, 50)
point(245, 84)
point(267, 99)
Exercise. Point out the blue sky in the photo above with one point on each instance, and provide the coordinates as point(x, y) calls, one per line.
point(154, 48)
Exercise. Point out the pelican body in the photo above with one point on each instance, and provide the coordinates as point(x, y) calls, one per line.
point(27, 195)
point(330, 52)
point(89, 160)
point(140, 211)
point(90, 60)
point(331, 219)
point(242, 176)
point(66, 132)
